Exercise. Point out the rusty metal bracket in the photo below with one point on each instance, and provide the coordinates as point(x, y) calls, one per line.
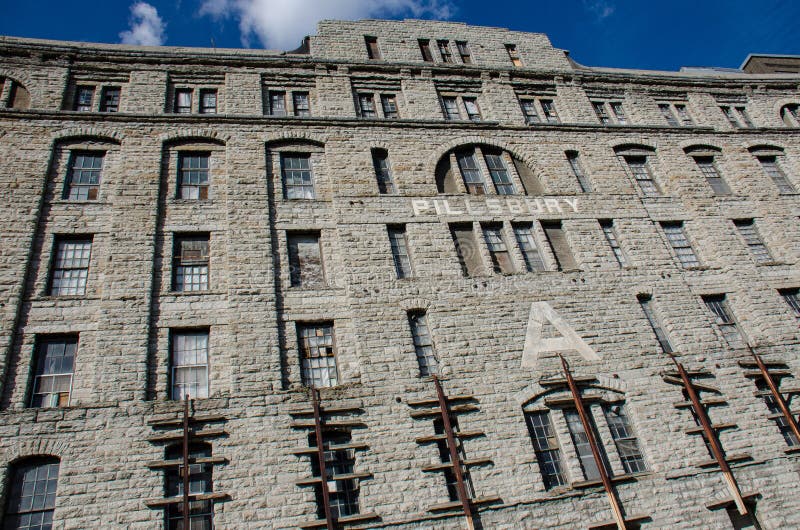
point(779, 399)
point(455, 458)
point(711, 437)
point(323, 473)
point(589, 429)
point(186, 472)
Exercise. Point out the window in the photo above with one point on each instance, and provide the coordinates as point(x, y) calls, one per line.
point(498, 251)
point(201, 513)
point(624, 438)
point(70, 266)
point(189, 362)
point(389, 106)
point(529, 111)
point(676, 114)
point(190, 263)
point(709, 170)
point(773, 169)
point(298, 181)
point(748, 521)
point(366, 106)
point(302, 107)
point(109, 99)
point(718, 307)
point(611, 238)
point(183, 101)
point(527, 245)
point(640, 170)
point(548, 452)
point(343, 493)
point(577, 171)
point(676, 236)
point(535, 109)
point(737, 116)
point(305, 260)
point(790, 114)
point(208, 101)
point(557, 240)
point(425, 49)
point(610, 112)
point(645, 301)
point(193, 173)
point(317, 357)
point(581, 442)
point(467, 249)
point(31, 494)
point(19, 97)
point(444, 51)
point(277, 103)
point(775, 412)
point(513, 54)
point(464, 52)
point(373, 52)
point(790, 296)
point(423, 344)
point(450, 481)
point(473, 179)
point(747, 229)
point(83, 176)
point(450, 107)
point(84, 96)
point(383, 174)
point(499, 173)
point(54, 363)
point(471, 105)
point(549, 110)
point(399, 246)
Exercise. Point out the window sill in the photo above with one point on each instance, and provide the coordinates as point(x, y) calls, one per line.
point(207, 292)
point(628, 477)
point(176, 200)
point(66, 298)
point(67, 202)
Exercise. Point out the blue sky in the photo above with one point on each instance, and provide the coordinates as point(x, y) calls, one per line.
point(651, 34)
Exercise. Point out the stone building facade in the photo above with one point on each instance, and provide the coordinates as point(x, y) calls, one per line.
point(391, 201)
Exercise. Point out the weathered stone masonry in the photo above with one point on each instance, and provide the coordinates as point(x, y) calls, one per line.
point(479, 321)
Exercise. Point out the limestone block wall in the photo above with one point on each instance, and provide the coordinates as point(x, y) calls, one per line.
point(478, 323)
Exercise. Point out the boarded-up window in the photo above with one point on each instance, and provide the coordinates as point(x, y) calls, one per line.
point(445, 182)
point(305, 260)
point(557, 240)
point(530, 181)
point(373, 52)
point(20, 97)
point(469, 255)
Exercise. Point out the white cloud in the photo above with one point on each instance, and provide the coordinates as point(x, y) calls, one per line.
point(601, 9)
point(282, 24)
point(147, 28)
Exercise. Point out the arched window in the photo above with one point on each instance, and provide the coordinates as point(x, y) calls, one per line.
point(790, 114)
point(201, 512)
point(32, 494)
point(771, 159)
point(485, 170)
point(559, 437)
point(298, 168)
point(705, 157)
point(636, 159)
